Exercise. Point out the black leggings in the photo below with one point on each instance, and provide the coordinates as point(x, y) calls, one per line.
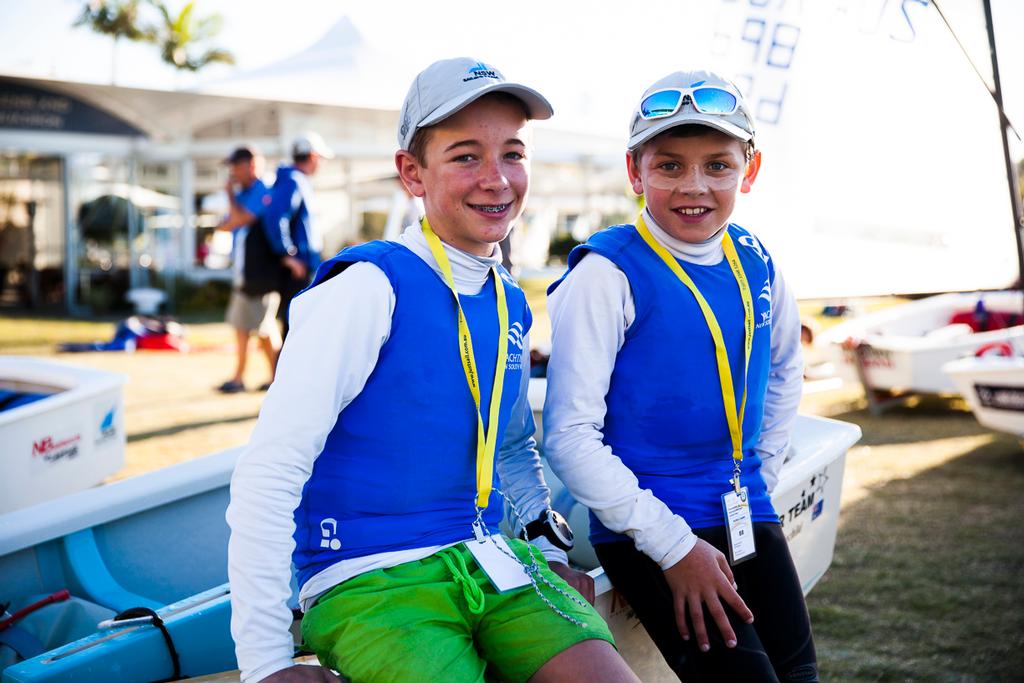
point(777, 647)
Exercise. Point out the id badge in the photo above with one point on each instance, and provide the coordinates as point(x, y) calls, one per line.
point(504, 572)
point(738, 525)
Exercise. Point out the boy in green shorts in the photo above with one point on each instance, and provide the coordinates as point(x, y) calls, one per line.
point(673, 383)
point(398, 412)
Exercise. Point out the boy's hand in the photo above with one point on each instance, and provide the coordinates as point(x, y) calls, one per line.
point(704, 577)
point(581, 581)
point(302, 673)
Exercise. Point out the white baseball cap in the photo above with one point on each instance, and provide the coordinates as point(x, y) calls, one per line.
point(684, 90)
point(310, 142)
point(447, 86)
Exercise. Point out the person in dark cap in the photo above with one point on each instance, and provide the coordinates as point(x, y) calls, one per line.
point(254, 303)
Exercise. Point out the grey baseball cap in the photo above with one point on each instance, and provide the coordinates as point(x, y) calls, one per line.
point(309, 142)
point(739, 124)
point(447, 86)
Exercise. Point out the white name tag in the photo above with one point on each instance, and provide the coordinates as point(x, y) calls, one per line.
point(503, 570)
point(739, 527)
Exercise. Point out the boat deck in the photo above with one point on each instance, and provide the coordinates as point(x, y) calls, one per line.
point(235, 676)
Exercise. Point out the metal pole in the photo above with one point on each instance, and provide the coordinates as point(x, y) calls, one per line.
point(1011, 171)
point(71, 229)
point(133, 227)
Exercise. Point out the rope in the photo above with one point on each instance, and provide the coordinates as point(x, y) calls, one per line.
point(460, 573)
point(137, 612)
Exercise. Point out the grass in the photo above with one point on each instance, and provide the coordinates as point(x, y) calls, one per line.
point(36, 335)
point(925, 584)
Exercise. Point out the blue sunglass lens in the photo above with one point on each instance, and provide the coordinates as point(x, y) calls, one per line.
point(660, 104)
point(714, 101)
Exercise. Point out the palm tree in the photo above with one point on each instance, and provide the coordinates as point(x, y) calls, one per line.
point(117, 19)
point(180, 34)
point(177, 36)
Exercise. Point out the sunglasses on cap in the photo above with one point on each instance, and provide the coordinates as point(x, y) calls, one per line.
point(706, 100)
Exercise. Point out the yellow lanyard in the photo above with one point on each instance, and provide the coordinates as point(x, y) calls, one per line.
point(486, 440)
point(734, 419)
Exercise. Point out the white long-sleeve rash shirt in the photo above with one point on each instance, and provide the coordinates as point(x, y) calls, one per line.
point(337, 331)
point(590, 313)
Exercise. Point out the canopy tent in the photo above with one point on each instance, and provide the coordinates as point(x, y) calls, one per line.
point(864, 111)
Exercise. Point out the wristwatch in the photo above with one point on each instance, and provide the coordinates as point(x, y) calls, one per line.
point(552, 526)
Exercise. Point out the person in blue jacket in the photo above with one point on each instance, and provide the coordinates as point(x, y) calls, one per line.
point(399, 426)
point(673, 384)
point(289, 219)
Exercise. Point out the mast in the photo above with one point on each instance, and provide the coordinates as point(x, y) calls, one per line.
point(1004, 124)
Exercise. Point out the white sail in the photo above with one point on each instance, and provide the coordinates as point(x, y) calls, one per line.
point(883, 169)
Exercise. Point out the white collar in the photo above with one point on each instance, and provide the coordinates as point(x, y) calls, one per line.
point(706, 253)
point(469, 271)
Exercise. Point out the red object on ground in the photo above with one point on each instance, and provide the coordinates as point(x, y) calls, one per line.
point(161, 342)
point(59, 596)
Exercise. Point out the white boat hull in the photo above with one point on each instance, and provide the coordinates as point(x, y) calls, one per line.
point(994, 389)
point(906, 346)
point(807, 499)
point(65, 442)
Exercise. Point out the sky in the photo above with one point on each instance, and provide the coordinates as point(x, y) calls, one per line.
point(875, 128)
point(596, 55)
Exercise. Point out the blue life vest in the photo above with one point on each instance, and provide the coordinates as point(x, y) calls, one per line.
point(398, 470)
point(665, 417)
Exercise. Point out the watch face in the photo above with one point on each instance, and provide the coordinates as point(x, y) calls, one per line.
point(560, 527)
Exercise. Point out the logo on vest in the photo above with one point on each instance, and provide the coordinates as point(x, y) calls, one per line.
point(515, 335)
point(766, 296)
point(751, 242)
point(329, 533)
point(515, 341)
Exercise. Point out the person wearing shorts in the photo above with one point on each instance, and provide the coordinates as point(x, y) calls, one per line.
point(248, 312)
point(399, 427)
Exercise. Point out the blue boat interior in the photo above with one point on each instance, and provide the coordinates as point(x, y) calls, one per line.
point(156, 541)
point(15, 398)
point(152, 548)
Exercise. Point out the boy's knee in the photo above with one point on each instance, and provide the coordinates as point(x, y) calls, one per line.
point(589, 660)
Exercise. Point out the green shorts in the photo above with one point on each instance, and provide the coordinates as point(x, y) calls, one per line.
point(413, 622)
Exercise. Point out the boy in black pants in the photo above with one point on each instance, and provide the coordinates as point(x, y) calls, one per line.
point(673, 383)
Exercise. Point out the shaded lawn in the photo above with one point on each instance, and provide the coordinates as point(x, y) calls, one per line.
point(926, 581)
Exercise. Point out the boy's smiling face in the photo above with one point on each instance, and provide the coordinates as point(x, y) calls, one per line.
point(475, 175)
point(690, 182)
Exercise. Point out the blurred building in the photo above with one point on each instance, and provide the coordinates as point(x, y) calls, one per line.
point(106, 188)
